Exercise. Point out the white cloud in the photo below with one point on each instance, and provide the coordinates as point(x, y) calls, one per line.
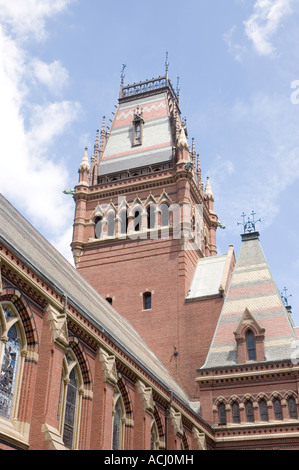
point(28, 17)
point(31, 176)
point(264, 23)
point(54, 75)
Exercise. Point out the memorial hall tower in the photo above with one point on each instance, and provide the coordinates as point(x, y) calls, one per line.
point(144, 219)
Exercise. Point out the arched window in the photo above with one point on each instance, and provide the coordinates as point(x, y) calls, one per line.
point(151, 216)
point(154, 437)
point(236, 412)
point(98, 227)
point(250, 341)
point(277, 408)
point(222, 414)
point(249, 412)
point(292, 408)
point(70, 401)
point(137, 220)
point(11, 343)
point(123, 216)
point(164, 215)
point(264, 410)
point(118, 423)
point(111, 224)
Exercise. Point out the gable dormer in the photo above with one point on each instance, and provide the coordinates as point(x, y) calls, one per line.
point(250, 338)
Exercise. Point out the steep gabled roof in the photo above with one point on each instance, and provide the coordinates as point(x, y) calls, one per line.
point(252, 289)
point(18, 235)
point(156, 101)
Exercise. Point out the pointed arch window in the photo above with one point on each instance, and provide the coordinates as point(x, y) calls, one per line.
point(98, 225)
point(164, 214)
point(123, 217)
point(249, 412)
point(111, 224)
point(12, 341)
point(151, 216)
point(236, 412)
point(222, 414)
point(118, 423)
point(70, 401)
point(137, 220)
point(292, 408)
point(250, 341)
point(277, 408)
point(264, 410)
point(154, 437)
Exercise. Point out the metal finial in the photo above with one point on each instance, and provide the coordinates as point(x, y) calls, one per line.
point(166, 65)
point(123, 73)
point(177, 85)
point(249, 226)
point(285, 297)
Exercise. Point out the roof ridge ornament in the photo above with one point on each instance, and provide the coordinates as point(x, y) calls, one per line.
point(249, 226)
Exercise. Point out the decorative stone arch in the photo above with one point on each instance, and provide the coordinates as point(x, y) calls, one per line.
point(278, 404)
point(221, 409)
point(137, 223)
point(82, 359)
point(160, 422)
point(247, 325)
point(14, 297)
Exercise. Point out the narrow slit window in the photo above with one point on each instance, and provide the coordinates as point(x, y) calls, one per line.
point(251, 346)
point(147, 301)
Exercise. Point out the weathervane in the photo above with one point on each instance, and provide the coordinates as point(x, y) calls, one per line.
point(285, 297)
point(249, 226)
point(123, 73)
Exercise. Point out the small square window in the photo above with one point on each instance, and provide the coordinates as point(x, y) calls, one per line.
point(147, 301)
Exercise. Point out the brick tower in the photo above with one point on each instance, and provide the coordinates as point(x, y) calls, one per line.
point(144, 225)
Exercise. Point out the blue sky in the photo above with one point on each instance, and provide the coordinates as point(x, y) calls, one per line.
point(60, 66)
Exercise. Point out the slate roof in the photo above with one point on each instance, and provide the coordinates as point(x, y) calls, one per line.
point(252, 287)
point(31, 247)
point(157, 142)
point(207, 277)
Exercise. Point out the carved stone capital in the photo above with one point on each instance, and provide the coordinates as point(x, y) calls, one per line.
point(146, 395)
point(58, 325)
point(109, 367)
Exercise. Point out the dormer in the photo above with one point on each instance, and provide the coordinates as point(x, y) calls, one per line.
point(250, 339)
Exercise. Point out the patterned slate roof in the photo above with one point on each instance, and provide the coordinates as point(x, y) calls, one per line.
point(35, 251)
point(252, 287)
point(157, 142)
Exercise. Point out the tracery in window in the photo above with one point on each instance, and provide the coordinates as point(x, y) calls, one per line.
point(70, 401)
point(118, 423)
point(10, 347)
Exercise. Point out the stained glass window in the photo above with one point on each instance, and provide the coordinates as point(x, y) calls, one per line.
point(70, 410)
point(9, 364)
point(117, 426)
